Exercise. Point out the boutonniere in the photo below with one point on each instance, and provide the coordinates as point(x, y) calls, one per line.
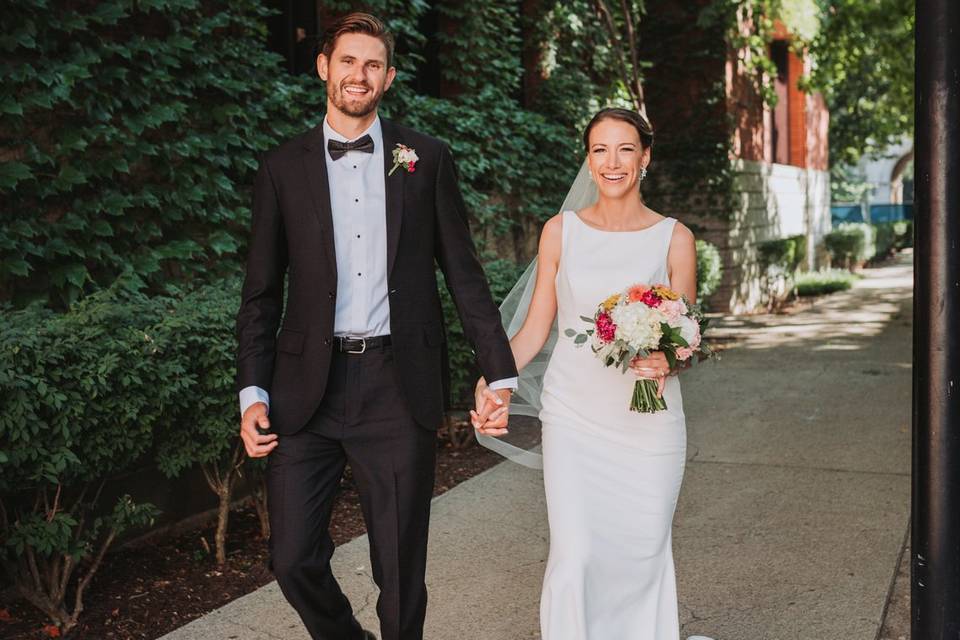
point(406, 157)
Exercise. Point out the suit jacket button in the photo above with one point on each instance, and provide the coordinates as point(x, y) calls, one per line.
point(331, 295)
point(326, 341)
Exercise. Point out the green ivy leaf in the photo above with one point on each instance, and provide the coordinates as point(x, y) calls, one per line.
point(102, 228)
point(13, 172)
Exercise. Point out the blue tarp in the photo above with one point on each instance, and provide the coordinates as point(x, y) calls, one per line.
point(878, 213)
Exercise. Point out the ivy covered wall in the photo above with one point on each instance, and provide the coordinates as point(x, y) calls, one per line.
point(129, 131)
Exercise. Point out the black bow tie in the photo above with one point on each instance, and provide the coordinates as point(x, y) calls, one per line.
point(338, 149)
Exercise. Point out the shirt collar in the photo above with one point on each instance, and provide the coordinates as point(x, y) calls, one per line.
point(374, 130)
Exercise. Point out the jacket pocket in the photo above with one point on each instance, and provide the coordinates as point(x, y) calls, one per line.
point(290, 341)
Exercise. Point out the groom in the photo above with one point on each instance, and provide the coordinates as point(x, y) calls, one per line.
point(350, 370)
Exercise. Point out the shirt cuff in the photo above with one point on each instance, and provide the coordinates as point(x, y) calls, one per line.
point(506, 383)
point(252, 395)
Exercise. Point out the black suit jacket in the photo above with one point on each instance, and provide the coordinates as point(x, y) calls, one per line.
point(287, 352)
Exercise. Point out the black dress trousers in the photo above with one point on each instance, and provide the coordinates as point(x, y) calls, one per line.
point(363, 420)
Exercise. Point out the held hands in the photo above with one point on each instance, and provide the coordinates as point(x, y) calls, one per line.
point(257, 445)
point(492, 411)
point(654, 367)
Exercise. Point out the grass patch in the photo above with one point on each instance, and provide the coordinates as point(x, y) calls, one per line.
point(818, 283)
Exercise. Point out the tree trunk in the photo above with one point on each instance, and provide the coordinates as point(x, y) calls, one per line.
point(222, 484)
point(223, 520)
point(260, 503)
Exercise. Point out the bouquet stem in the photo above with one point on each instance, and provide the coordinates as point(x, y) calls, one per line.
point(645, 398)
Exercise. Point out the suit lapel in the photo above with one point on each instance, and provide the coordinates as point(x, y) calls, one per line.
point(393, 190)
point(315, 166)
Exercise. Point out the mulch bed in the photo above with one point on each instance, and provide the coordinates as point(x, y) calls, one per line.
point(146, 590)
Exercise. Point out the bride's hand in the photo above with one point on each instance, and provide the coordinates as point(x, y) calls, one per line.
point(654, 367)
point(488, 416)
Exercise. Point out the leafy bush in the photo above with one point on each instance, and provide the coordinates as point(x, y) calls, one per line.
point(905, 235)
point(851, 244)
point(787, 254)
point(816, 283)
point(83, 393)
point(130, 133)
point(502, 275)
point(893, 236)
point(709, 270)
point(200, 424)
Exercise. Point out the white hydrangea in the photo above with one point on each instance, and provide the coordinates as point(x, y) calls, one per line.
point(638, 325)
point(690, 330)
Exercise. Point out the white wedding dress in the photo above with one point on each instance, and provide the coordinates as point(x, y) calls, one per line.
point(612, 476)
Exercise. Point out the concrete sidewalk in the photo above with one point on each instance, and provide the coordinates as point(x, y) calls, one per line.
point(793, 513)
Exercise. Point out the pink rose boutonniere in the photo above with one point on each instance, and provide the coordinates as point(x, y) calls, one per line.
point(405, 157)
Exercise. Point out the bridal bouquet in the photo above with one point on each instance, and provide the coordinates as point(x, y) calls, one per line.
point(640, 320)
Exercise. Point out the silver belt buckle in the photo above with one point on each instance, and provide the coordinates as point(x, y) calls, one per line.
point(363, 348)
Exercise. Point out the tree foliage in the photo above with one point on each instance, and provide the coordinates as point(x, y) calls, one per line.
point(865, 69)
point(83, 394)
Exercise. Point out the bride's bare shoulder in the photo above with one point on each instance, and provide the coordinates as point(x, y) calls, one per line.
point(552, 236)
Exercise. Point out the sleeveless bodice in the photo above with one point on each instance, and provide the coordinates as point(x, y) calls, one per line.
point(594, 264)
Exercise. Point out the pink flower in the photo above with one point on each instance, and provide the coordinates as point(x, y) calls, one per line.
point(684, 353)
point(650, 298)
point(673, 309)
point(606, 329)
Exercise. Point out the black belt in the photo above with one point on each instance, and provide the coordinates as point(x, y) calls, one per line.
point(346, 344)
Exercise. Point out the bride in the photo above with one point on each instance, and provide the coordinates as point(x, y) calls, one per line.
point(611, 476)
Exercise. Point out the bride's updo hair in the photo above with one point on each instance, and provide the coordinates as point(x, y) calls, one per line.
point(641, 124)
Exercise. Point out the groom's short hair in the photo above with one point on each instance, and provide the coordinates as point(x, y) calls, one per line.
point(358, 22)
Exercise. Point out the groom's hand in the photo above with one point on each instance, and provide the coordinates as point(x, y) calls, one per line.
point(492, 412)
point(257, 444)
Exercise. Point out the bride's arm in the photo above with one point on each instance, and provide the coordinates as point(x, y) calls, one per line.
point(682, 262)
point(682, 269)
point(543, 305)
point(533, 333)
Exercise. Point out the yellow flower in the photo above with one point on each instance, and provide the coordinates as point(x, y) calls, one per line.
point(611, 302)
point(665, 293)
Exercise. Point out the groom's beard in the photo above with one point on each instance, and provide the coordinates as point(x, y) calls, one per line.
point(350, 105)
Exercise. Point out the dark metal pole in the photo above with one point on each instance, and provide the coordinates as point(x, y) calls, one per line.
point(935, 575)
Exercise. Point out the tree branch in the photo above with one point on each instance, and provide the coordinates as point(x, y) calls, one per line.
point(611, 26)
point(78, 599)
point(634, 56)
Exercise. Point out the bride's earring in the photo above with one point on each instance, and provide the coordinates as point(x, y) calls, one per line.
point(643, 173)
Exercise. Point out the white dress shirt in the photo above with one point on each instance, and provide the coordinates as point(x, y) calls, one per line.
point(358, 204)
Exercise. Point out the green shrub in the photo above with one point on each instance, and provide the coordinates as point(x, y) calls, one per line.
point(83, 393)
point(851, 244)
point(201, 425)
point(905, 235)
point(893, 236)
point(816, 283)
point(502, 275)
point(786, 254)
point(709, 270)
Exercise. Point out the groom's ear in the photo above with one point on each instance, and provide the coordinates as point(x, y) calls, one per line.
point(391, 74)
point(322, 66)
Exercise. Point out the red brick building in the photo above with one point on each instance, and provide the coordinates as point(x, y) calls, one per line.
point(778, 157)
